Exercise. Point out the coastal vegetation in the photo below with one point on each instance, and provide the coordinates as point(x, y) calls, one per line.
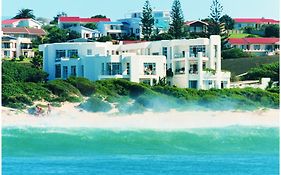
point(22, 85)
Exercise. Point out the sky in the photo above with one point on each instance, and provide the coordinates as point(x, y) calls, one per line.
point(117, 9)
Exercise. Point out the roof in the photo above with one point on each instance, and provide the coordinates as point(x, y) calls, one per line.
point(11, 21)
point(191, 22)
point(132, 41)
point(255, 20)
point(23, 30)
point(253, 40)
point(82, 20)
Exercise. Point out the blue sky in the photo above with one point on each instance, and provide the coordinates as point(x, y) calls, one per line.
point(116, 9)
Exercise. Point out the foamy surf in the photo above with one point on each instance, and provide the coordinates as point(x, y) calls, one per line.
point(70, 116)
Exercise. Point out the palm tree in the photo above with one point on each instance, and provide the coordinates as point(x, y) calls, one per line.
point(25, 13)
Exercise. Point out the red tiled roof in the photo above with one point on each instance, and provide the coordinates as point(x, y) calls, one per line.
point(255, 20)
point(23, 30)
point(82, 20)
point(253, 40)
point(132, 41)
point(11, 21)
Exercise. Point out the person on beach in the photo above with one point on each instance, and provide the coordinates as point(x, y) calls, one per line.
point(49, 109)
point(37, 110)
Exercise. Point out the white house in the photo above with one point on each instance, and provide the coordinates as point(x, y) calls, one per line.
point(192, 63)
point(24, 22)
point(66, 22)
point(257, 46)
point(14, 47)
point(113, 29)
point(86, 32)
point(256, 23)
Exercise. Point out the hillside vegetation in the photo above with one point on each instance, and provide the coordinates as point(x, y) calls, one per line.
point(241, 65)
point(21, 87)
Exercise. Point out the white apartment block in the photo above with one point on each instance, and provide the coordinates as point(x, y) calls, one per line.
point(195, 63)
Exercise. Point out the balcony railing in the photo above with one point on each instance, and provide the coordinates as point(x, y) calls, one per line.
point(180, 71)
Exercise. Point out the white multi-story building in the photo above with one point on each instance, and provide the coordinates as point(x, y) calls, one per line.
point(192, 63)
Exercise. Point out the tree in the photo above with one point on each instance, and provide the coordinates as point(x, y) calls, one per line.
point(147, 20)
point(57, 35)
point(216, 10)
point(37, 61)
point(161, 36)
point(99, 16)
point(25, 13)
point(105, 38)
point(91, 26)
point(177, 25)
point(56, 18)
point(272, 30)
point(228, 21)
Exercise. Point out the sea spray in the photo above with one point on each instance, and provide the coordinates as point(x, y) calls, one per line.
point(90, 142)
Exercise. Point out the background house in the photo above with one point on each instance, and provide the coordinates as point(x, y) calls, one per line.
point(256, 23)
point(197, 26)
point(25, 22)
point(257, 46)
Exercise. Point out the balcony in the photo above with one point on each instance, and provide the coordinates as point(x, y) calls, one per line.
point(179, 55)
point(180, 71)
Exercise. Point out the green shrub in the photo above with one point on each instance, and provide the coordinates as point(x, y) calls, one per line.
point(234, 53)
point(62, 89)
point(264, 71)
point(96, 104)
point(85, 86)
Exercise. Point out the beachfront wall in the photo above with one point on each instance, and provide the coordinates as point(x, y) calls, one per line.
point(195, 63)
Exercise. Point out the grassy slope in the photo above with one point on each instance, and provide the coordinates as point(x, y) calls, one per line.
point(241, 65)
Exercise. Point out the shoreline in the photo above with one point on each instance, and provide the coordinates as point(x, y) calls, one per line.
point(69, 116)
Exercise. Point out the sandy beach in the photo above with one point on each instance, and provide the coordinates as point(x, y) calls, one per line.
point(71, 116)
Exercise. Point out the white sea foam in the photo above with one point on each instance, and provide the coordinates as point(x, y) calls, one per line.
point(70, 116)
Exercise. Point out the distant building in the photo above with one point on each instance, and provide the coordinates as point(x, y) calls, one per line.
point(257, 46)
point(24, 22)
point(23, 32)
point(197, 26)
point(194, 63)
point(114, 29)
point(13, 47)
point(86, 32)
point(256, 23)
point(162, 20)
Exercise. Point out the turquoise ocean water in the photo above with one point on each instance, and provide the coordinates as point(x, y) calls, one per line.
point(64, 151)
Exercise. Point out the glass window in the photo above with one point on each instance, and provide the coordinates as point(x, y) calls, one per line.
point(165, 51)
point(113, 68)
point(193, 69)
point(89, 52)
point(193, 84)
point(257, 47)
point(58, 71)
point(102, 69)
point(82, 70)
point(128, 68)
point(60, 53)
point(149, 68)
point(65, 72)
point(72, 53)
point(193, 50)
point(73, 71)
point(6, 45)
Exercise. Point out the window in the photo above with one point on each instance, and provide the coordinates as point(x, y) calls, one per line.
point(65, 72)
point(193, 68)
point(72, 53)
point(137, 30)
point(60, 54)
point(113, 68)
point(165, 51)
point(73, 71)
point(89, 52)
point(257, 47)
point(155, 53)
point(149, 68)
point(193, 84)
point(128, 68)
point(82, 70)
point(193, 50)
point(6, 53)
point(216, 50)
point(102, 69)
point(6, 45)
point(204, 65)
point(58, 71)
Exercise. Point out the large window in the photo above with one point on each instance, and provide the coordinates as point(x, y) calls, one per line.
point(114, 68)
point(149, 68)
point(193, 68)
point(73, 71)
point(193, 84)
point(60, 54)
point(72, 53)
point(65, 72)
point(5, 45)
point(128, 69)
point(165, 51)
point(82, 70)
point(57, 71)
point(193, 50)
